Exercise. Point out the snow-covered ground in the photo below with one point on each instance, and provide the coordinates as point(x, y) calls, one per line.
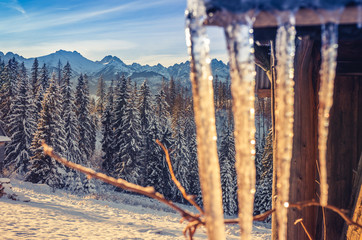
point(60, 215)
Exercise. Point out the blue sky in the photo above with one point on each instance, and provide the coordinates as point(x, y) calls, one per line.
point(143, 31)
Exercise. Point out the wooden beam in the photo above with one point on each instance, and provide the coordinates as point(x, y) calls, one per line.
point(266, 19)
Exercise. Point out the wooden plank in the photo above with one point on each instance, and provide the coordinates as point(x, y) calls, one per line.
point(341, 153)
point(302, 178)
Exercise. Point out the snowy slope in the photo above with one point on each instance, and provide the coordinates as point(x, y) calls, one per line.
point(61, 215)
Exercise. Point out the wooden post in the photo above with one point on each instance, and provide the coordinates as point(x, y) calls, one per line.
point(302, 178)
point(303, 167)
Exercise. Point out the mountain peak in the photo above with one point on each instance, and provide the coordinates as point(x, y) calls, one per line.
point(110, 59)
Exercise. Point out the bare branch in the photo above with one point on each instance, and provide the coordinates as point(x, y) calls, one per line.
point(340, 212)
point(300, 220)
point(189, 198)
point(147, 191)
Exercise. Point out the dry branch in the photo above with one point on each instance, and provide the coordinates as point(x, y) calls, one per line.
point(147, 191)
point(189, 198)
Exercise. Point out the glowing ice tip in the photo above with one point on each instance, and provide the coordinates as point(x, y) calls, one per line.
point(286, 204)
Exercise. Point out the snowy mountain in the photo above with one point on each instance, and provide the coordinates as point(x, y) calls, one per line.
point(110, 66)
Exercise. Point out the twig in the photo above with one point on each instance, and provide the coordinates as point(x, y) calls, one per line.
point(147, 191)
point(259, 218)
point(189, 198)
point(340, 212)
point(300, 220)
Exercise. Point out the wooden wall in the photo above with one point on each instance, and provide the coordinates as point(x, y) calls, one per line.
point(344, 144)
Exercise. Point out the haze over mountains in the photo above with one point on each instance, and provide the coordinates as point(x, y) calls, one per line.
point(109, 66)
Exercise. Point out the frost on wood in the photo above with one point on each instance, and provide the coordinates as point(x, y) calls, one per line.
point(240, 45)
point(201, 77)
point(284, 114)
point(327, 75)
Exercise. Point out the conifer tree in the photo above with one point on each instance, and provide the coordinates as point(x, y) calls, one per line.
point(128, 165)
point(50, 129)
point(263, 194)
point(22, 127)
point(8, 82)
point(107, 132)
point(121, 98)
point(227, 172)
point(71, 124)
point(101, 94)
point(163, 123)
point(59, 72)
point(83, 115)
point(44, 77)
point(35, 76)
point(181, 161)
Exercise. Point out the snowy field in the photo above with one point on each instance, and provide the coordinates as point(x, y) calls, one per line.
point(61, 215)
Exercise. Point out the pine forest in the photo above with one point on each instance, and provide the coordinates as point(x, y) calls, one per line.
point(114, 131)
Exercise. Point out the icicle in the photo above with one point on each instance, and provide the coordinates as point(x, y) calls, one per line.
point(201, 78)
point(327, 75)
point(240, 44)
point(284, 114)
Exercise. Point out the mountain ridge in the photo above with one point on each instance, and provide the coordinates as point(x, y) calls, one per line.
point(110, 66)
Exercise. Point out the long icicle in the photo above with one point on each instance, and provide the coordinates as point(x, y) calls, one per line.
point(240, 45)
point(284, 113)
point(203, 96)
point(327, 75)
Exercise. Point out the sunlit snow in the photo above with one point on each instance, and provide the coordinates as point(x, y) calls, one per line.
point(61, 215)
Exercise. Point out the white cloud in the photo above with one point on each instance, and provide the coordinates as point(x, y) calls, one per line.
point(13, 4)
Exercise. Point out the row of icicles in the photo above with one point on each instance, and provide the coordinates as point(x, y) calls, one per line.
point(240, 46)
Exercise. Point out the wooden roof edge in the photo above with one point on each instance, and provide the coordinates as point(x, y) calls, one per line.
point(303, 17)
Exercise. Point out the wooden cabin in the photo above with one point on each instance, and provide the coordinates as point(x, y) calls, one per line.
point(344, 152)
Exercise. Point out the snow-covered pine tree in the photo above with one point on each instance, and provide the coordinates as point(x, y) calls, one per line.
point(35, 76)
point(190, 134)
point(101, 94)
point(163, 121)
point(8, 82)
point(107, 132)
point(120, 102)
point(83, 115)
point(150, 150)
point(156, 169)
point(50, 129)
point(71, 124)
point(128, 164)
point(42, 85)
point(92, 117)
point(22, 127)
point(227, 172)
point(59, 72)
point(181, 160)
point(263, 194)
point(44, 77)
